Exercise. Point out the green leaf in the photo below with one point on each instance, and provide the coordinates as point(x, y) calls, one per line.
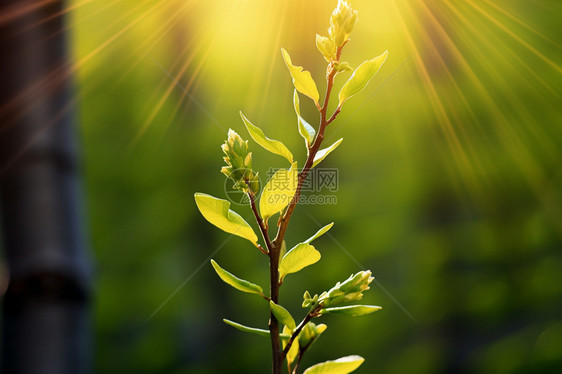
point(310, 333)
point(342, 365)
point(352, 310)
point(302, 80)
point(217, 212)
point(342, 66)
point(253, 330)
point(305, 129)
point(283, 249)
point(294, 350)
point(321, 154)
point(319, 233)
point(273, 146)
point(283, 315)
point(239, 284)
point(327, 47)
point(299, 257)
point(361, 77)
point(279, 191)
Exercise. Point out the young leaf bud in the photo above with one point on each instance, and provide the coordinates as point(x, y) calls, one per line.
point(239, 162)
point(350, 290)
point(342, 21)
point(342, 66)
point(309, 333)
point(327, 47)
point(309, 301)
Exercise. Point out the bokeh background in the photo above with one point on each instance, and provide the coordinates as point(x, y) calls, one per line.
point(450, 180)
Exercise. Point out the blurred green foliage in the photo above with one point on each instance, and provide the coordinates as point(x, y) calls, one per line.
point(450, 181)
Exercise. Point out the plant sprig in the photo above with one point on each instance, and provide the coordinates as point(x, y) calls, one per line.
point(280, 196)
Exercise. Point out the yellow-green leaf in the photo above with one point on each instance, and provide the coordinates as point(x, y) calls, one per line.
point(310, 333)
point(252, 330)
point(283, 249)
point(306, 131)
point(241, 327)
point(299, 257)
point(361, 77)
point(342, 365)
point(352, 310)
point(321, 154)
point(273, 146)
point(327, 47)
point(279, 191)
point(283, 315)
point(234, 281)
point(217, 212)
point(302, 80)
point(320, 232)
point(294, 350)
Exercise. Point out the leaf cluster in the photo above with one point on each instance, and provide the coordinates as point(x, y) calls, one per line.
point(280, 196)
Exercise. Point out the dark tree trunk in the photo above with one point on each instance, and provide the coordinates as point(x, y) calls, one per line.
point(46, 317)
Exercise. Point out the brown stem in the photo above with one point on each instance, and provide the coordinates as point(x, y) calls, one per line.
point(273, 253)
point(308, 318)
point(274, 246)
point(297, 364)
point(261, 224)
point(313, 149)
point(273, 323)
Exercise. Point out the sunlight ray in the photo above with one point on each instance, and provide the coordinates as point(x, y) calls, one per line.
point(513, 143)
point(189, 87)
point(144, 48)
point(536, 130)
point(65, 10)
point(173, 84)
point(275, 56)
point(436, 102)
point(516, 37)
point(485, 38)
point(523, 24)
point(120, 33)
point(451, 47)
point(98, 11)
point(21, 10)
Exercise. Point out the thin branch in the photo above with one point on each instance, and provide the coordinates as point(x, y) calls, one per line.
point(307, 318)
point(261, 224)
point(298, 362)
point(275, 248)
point(334, 115)
point(312, 150)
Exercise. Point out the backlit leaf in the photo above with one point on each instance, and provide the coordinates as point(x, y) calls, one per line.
point(282, 315)
point(273, 146)
point(279, 191)
point(299, 257)
point(302, 80)
point(294, 350)
point(306, 131)
point(327, 47)
point(352, 310)
point(319, 233)
point(342, 365)
point(234, 281)
point(361, 77)
point(217, 211)
point(253, 330)
point(310, 333)
point(321, 154)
